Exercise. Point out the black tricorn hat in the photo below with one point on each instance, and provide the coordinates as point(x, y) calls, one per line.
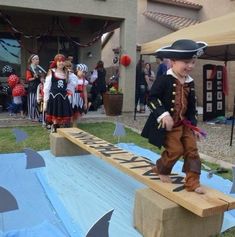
point(182, 49)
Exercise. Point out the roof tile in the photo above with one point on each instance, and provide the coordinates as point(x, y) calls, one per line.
point(170, 21)
point(182, 3)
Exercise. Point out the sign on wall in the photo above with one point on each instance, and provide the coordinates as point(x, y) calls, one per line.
point(213, 96)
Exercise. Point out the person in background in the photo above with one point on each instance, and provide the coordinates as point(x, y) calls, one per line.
point(149, 78)
point(70, 59)
point(149, 75)
point(163, 67)
point(140, 87)
point(17, 104)
point(172, 122)
point(79, 97)
point(98, 80)
point(33, 74)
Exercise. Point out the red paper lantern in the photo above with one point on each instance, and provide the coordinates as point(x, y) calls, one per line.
point(125, 60)
point(13, 80)
point(75, 20)
point(18, 90)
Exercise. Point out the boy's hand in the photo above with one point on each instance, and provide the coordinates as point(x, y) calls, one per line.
point(198, 135)
point(167, 122)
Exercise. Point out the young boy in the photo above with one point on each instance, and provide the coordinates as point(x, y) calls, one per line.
point(172, 122)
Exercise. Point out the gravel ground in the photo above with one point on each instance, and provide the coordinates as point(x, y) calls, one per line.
point(214, 148)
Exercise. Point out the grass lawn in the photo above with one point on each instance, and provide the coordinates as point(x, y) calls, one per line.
point(38, 139)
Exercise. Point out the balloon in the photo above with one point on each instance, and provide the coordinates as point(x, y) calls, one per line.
point(13, 80)
point(18, 90)
point(125, 60)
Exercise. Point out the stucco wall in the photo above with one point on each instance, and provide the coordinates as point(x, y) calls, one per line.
point(109, 8)
point(214, 8)
point(122, 10)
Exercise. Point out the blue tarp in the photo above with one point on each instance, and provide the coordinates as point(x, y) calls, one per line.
point(35, 215)
point(72, 193)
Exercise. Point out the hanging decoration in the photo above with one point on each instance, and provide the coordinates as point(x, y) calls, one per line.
point(125, 60)
point(15, 31)
point(97, 36)
point(115, 59)
point(7, 70)
point(13, 28)
point(56, 21)
point(75, 20)
point(13, 80)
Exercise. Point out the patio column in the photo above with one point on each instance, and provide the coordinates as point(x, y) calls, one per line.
point(127, 74)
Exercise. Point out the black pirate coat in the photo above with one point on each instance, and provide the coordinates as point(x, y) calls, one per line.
point(162, 99)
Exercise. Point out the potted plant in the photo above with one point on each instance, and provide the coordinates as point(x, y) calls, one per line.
point(113, 101)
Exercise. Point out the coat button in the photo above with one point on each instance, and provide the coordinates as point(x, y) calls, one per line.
point(173, 93)
point(174, 85)
point(172, 109)
point(173, 101)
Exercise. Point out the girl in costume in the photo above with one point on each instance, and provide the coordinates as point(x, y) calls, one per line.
point(80, 98)
point(33, 74)
point(57, 88)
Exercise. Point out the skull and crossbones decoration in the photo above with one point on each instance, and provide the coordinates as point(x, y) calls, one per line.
point(60, 84)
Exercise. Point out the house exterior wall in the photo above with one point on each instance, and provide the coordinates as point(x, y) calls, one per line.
point(148, 30)
point(123, 11)
point(107, 8)
point(214, 8)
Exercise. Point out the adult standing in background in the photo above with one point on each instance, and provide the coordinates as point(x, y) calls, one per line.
point(71, 59)
point(33, 74)
point(98, 81)
point(163, 67)
point(149, 75)
point(140, 87)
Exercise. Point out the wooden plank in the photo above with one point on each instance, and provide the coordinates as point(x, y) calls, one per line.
point(210, 203)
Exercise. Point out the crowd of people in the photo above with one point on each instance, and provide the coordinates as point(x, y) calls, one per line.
point(59, 96)
point(68, 84)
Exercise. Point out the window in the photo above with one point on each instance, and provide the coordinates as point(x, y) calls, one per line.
point(10, 56)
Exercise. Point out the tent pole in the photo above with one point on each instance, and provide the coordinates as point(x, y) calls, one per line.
point(136, 102)
point(233, 118)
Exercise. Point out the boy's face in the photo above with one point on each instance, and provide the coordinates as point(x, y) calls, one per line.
point(183, 67)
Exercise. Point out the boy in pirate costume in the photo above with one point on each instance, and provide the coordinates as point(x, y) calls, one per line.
point(172, 122)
